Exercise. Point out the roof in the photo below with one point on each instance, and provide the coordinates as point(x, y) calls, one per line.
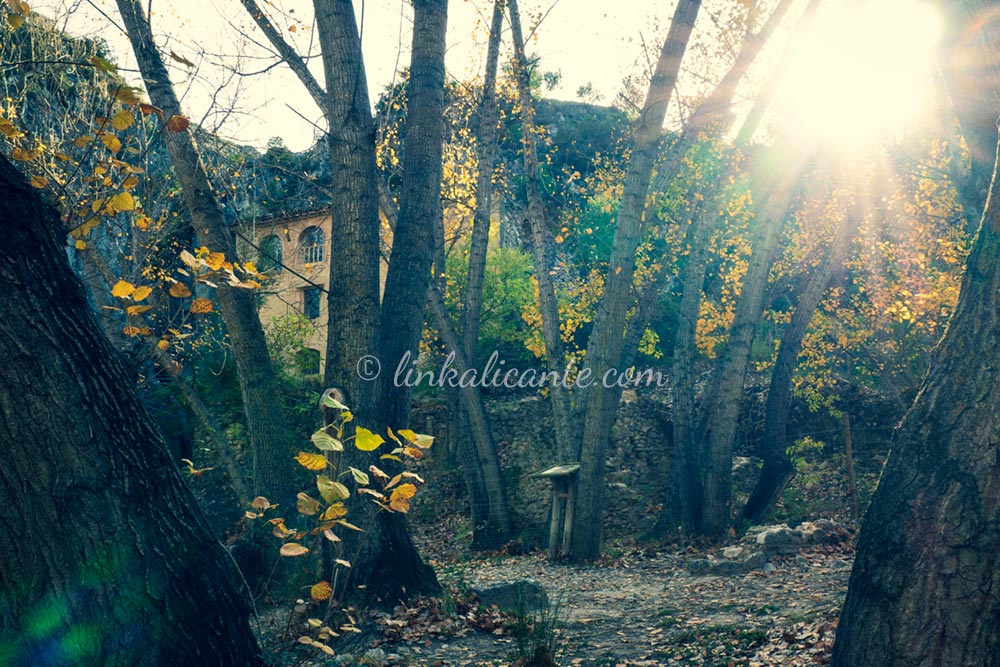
point(290, 215)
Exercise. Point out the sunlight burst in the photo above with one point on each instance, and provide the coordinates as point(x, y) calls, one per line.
point(860, 70)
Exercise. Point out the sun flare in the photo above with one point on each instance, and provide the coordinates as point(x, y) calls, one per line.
point(860, 70)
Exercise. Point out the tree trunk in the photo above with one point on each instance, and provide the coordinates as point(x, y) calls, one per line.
point(604, 349)
point(555, 355)
point(409, 274)
point(274, 471)
point(384, 561)
point(486, 148)
point(778, 468)
point(120, 568)
point(925, 587)
point(720, 411)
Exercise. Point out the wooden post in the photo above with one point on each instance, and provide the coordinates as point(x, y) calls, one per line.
point(852, 482)
point(554, 524)
point(568, 525)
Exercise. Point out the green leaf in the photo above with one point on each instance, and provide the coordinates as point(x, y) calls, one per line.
point(330, 490)
point(330, 402)
point(360, 477)
point(326, 442)
point(367, 441)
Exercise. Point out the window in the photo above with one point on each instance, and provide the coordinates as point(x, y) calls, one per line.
point(269, 254)
point(307, 361)
point(310, 302)
point(312, 243)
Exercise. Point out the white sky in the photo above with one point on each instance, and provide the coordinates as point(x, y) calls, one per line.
point(589, 41)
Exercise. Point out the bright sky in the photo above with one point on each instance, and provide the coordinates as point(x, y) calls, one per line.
point(589, 41)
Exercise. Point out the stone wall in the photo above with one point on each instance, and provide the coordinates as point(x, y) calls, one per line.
point(639, 457)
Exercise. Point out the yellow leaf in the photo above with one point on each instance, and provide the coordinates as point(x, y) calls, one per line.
point(334, 512)
point(341, 561)
point(143, 222)
point(201, 306)
point(131, 332)
point(293, 549)
point(400, 498)
point(163, 344)
point(321, 591)
point(130, 182)
point(39, 182)
point(311, 461)
point(215, 260)
point(15, 20)
point(137, 310)
point(82, 141)
point(123, 201)
point(367, 441)
point(141, 293)
point(111, 141)
point(102, 64)
point(307, 505)
point(122, 289)
point(420, 440)
point(413, 452)
point(180, 291)
point(122, 120)
point(80, 245)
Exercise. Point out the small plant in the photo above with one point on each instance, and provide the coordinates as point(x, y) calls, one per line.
point(391, 493)
point(536, 634)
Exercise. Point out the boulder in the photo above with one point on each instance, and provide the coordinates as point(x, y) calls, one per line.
point(524, 595)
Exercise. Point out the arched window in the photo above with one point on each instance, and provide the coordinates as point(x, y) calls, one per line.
point(312, 243)
point(269, 258)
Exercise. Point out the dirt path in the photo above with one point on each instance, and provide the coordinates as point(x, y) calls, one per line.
point(647, 610)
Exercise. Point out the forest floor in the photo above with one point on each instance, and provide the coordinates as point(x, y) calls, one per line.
point(640, 608)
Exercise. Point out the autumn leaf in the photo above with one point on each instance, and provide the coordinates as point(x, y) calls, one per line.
point(311, 461)
point(163, 345)
point(82, 141)
point(321, 591)
point(420, 440)
point(80, 245)
point(334, 512)
point(201, 306)
point(181, 59)
point(400, 498)
point(367, 441)
point(15, 20)
point(122, 120)
point(111, 141)
point(293, 549)
point(141, 293)
point(330, 490)
point(260, 503)
point(123, 201)
point(131, 331)
point(102, 64)
point(39, 182)
point(122, 289)
point(177, 124)
point(179, 290)
point(137, 310)
point(306, 504)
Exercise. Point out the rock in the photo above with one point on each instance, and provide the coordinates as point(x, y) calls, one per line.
point(769, 568)
point(528, 595)
point(780, 540)
point(734, 553)
point(699, 567)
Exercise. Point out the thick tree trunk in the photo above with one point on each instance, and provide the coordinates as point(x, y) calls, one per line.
point(604, 349)
point(778, 468)
point(384, 560)
point(119, 569)
point(555, 355)
point(273, 466)
point(409, 274)
point(925, 587)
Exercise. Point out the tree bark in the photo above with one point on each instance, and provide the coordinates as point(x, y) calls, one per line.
point(486, 148)
point(925, 587)
point(120, 568)
point(604, 349)
point(778, 468)
point(720, 411)
point(274, 471)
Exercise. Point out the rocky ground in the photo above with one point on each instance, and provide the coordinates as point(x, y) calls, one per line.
point(645, 607)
